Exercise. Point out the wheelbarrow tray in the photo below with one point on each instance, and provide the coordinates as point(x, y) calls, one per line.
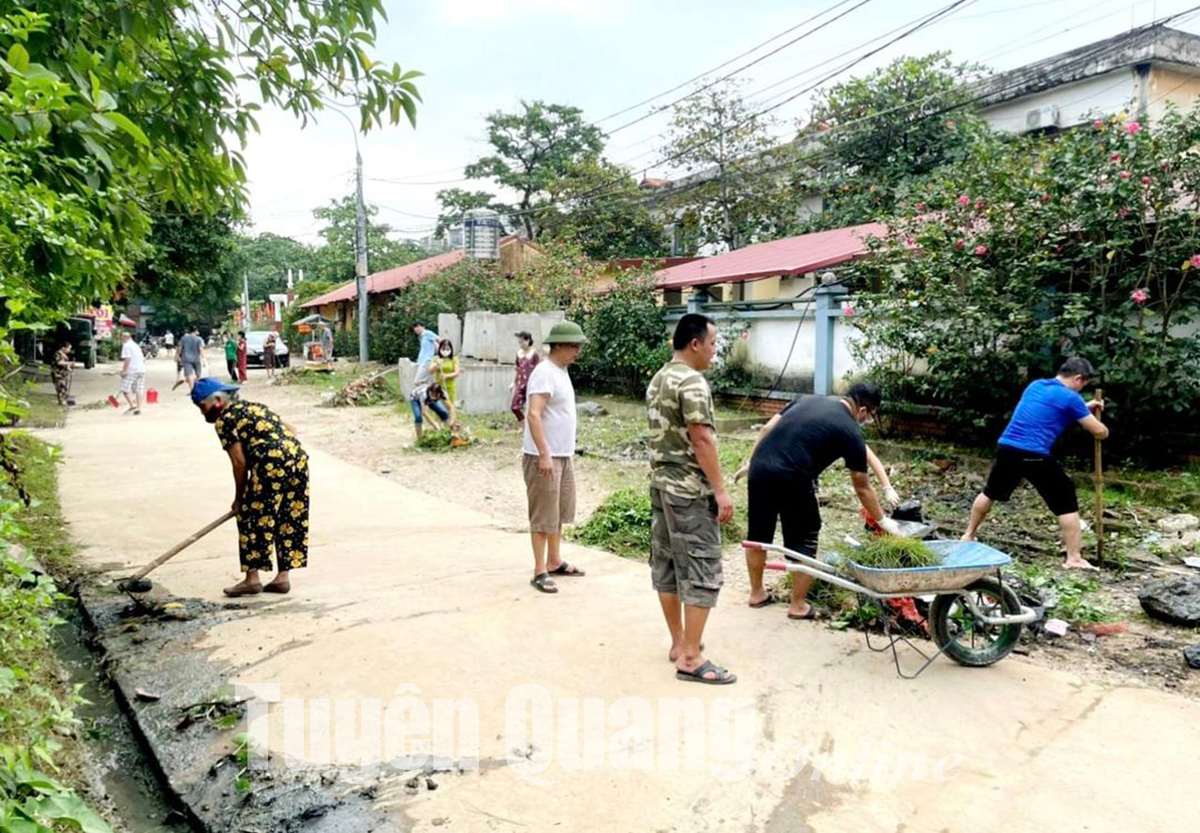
point(962, 563)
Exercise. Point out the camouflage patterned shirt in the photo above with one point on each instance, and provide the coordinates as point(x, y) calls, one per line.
point(677, 397)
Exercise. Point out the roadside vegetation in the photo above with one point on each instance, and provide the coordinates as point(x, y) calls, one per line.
point(37, 723)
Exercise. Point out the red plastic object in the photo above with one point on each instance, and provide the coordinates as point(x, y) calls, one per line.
point(151, 397)
point(112, 400)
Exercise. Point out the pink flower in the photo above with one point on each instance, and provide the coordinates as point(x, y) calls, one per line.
point(964, 200)
point(1139, 296)
point(920, 206)
point(1045, 198)
point(848, 310)
point(1146, 180)
point(960, 244)
point(1125, 174)
point(980, 204)
point(1098, 124)
point(1196, 261)
point(743, 335)
point(1123, 213)
point(1133, 127)
point(1116, 157)
point(908, 241)
point(981, 250)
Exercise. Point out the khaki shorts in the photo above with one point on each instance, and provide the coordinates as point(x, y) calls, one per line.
point(551, 499)
point(685, 548)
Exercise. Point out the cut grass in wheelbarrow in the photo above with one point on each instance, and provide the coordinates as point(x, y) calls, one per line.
point(891, 552)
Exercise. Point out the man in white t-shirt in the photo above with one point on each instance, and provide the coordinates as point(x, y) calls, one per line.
point(133, 373)
point(548, 451)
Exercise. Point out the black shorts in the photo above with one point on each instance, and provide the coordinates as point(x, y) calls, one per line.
point(1013, 465)
point(792, 502)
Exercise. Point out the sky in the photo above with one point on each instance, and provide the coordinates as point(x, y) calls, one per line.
point(602, 56)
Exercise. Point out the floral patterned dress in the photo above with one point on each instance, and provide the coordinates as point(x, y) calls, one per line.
point(525, 366)
point(273, 514)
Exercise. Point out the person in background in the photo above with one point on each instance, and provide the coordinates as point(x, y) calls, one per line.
point(270, 479)
point(419, 400)
point(191, 355)
point(1048, 407)
point(445, 372)
point(527, 360)
point(231, 357)
point(61, 372)
point(688, 501)
point(792, 451)
point(133, 373)
point(549, 449)
point(269, 356)
point(169, 342)
point(242, 349)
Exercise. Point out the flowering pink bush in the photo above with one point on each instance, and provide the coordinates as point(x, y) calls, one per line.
point(1139, 296)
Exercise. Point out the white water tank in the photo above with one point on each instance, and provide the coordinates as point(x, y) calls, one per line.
point(481, 234)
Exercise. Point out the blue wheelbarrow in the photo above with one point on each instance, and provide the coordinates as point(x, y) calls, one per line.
point(974, 617)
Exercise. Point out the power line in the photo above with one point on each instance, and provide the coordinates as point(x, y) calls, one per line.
point(655, 111)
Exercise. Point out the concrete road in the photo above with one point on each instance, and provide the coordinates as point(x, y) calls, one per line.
point(413, 587)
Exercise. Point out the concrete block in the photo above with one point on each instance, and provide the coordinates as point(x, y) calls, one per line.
point(479, 334)
point(449, 326)
point(483, 388)
point(407, 369)
point(506, 328)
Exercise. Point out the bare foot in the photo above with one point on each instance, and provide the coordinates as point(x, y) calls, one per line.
point(761, 599)
point(244, 588)
point(280, 584)
point(967, 537)
point(673, 655)
point(1078, 564)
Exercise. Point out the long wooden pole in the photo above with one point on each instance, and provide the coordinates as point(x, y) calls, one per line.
point(182, 545)
point(1099, 477)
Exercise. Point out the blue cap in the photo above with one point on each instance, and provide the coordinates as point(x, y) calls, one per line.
point(207, 386)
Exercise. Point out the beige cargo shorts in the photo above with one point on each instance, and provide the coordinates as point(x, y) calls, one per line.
point(551, 499)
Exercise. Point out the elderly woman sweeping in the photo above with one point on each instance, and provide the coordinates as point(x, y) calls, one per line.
point(270, 475)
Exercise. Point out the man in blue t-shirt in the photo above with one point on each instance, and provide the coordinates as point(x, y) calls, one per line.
point(1047, 408)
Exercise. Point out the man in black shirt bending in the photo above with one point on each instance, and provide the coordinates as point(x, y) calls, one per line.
point(792, 451)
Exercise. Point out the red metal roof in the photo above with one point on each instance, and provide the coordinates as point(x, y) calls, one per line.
point(789, 256)
point(401, 276)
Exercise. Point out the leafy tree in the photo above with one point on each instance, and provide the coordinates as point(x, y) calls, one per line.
point(877, 134)
point(109, 109)
point(531, 150)
point(601, 209)
point(716, 137)
point(335, 259)
point(1027, 251)
point(191, 274)
point(455, 202)
point(267, 258)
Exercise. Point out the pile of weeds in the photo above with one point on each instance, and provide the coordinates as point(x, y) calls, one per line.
point(890, 552)
point(621, 524)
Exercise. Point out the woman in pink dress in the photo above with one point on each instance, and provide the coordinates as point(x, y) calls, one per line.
point(527, 360)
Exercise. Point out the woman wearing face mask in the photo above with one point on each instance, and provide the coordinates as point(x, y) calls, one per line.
point(445, 370)
point(527, 360)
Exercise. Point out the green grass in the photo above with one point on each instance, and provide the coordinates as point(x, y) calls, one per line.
point(45, 533)
point(43, 411)
point(621, 525)
point(1079, 599)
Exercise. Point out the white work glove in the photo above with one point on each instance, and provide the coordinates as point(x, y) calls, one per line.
point(892, 497)
point(889, 526)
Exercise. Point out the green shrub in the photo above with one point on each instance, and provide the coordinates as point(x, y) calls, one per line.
point(628, 340)
point(621, 524)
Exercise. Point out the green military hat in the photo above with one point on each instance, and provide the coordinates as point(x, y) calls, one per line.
point(565, 332)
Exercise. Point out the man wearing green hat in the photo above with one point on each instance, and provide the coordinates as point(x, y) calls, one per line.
point(548, 452)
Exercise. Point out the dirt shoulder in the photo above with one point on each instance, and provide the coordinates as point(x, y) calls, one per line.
point(944, 478)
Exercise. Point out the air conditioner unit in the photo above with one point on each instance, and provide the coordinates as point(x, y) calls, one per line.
point(1041, 118)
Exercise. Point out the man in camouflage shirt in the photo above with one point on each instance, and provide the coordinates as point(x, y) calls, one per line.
point(688, 498)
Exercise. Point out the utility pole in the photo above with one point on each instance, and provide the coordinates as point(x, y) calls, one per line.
point(360, 265)
point(246, 300)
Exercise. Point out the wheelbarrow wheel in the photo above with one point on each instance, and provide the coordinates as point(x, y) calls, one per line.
point(966, 640)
